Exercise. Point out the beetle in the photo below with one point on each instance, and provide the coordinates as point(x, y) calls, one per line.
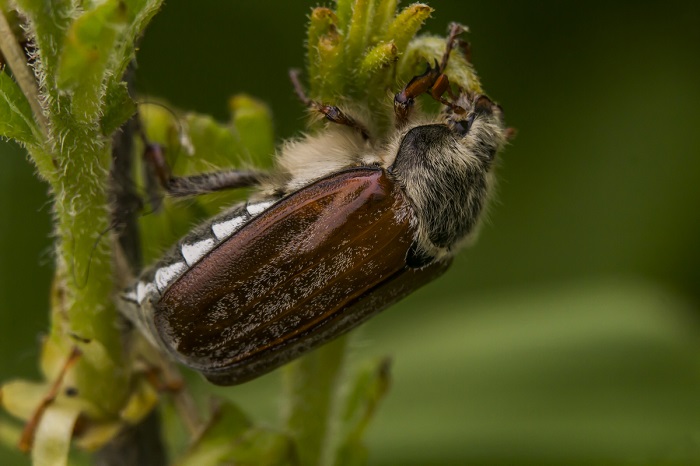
point(344, 227)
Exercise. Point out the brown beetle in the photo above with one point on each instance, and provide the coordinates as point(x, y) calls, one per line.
point(344, 228)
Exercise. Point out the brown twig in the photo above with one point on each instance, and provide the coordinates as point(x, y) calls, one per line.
point(27, 439)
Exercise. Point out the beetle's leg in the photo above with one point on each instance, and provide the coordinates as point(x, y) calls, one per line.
point(165, 377)
point(434, 82)
point(193, 185)
point(466, 48)
point(405, 100)
point(455, 30)
point(331, 112)
point(210, 182)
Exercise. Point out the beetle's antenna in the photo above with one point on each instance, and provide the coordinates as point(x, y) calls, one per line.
point(294, 74)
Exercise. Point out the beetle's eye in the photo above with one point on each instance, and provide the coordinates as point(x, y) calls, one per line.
point(462, 127)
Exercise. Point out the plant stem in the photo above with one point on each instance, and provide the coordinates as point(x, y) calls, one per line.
point(141, 443)
point(138, 445)
point(311, 386)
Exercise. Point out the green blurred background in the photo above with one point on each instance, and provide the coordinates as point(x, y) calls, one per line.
point(569, 333)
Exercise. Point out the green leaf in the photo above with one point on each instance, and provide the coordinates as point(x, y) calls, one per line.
point(53, 436)
point(369, 388)
point(16, 120)
point(321, 22)
point(252, 123)
point(49, 26)
point(377, 58)
point(231, 439)
point(10, 433)
point(357, 36)
point(140, 13)
point(21, 397)
point(326, 69)
point(119, 107)
point(407, 24)
point(197, 143)
point(88, 48)
point(160, 124)
point(343, 10)
point(384, 13)
point(215, 146)
point(261, 447)
point(376, 74)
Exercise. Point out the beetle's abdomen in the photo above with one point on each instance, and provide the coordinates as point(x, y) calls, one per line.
point(137, 302)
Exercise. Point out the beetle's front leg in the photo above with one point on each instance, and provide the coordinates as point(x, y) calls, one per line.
point(404, 101)
point(331, 112)
point(434, 82)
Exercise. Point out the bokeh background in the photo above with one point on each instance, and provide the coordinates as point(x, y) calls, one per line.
point(569, 333)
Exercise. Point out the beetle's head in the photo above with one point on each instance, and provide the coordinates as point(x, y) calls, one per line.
point(477, 122)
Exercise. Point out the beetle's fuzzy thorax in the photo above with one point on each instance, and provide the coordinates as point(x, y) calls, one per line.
point(444, 168)
point(315, 156)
